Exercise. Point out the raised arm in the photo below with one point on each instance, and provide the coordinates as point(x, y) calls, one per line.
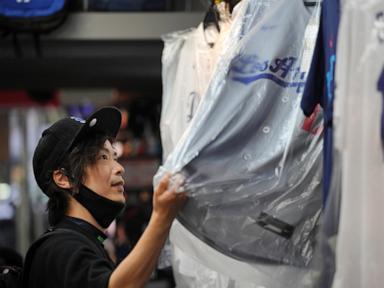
point(136, 269)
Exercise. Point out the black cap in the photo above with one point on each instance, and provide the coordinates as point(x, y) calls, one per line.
point(59, 139)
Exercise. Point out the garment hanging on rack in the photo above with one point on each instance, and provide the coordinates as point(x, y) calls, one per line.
point(189, 60)
point(320, 84)
point(267, 275)
point(186, 76)
point(380, 87)
point(254, 152)
point(189, 271)
point(357, 117)
point(320, 89)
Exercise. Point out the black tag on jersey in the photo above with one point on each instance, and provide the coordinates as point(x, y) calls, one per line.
point(275, 225)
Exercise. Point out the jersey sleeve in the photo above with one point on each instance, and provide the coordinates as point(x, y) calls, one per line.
point(313, 92)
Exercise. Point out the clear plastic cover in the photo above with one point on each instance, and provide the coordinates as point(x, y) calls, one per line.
point(250, 161)
point(323, 263)
point(358, 108)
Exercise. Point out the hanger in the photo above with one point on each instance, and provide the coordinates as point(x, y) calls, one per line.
point(212, 17)
point(232, 4)
point(311, 3)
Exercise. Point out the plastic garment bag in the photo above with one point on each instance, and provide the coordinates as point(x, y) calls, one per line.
point(189, 55)
point(189, 60)
point(188, 63)
point(357, 126)
point(323, 262)
point(250, 161)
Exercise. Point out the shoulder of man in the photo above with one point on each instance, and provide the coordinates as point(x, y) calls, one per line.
point(53, 244)
point(56, 237)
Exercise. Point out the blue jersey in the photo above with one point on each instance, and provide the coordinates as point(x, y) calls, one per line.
point(320, 81)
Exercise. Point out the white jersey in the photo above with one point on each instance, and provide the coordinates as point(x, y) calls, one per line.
point(357, 117)
point(188, 64)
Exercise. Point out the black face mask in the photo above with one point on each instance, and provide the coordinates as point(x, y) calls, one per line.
point(102, 209)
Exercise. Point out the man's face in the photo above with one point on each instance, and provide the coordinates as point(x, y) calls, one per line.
point(105, 177)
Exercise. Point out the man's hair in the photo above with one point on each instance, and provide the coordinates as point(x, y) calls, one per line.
point(73, 166)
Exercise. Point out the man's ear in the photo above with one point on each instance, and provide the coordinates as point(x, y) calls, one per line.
point(61, 179)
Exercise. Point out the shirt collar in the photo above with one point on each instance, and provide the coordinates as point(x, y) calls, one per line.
point(80, 224)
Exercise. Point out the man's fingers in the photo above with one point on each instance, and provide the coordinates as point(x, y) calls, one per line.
point(163, 185)
point(168, 189)
point(182, 195)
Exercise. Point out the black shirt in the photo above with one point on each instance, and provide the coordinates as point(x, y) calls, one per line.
point(69, 260)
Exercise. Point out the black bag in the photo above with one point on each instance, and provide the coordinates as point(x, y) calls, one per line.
point(37, 16)
point(17, 276)
point(34, 17)
point(11, 263)
point(10, 277)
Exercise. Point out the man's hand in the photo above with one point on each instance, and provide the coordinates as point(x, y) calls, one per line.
point(167, 202)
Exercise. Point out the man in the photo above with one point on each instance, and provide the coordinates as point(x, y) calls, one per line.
point(75, 165)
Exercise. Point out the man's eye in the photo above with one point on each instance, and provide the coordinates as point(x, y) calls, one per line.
point(104, 157)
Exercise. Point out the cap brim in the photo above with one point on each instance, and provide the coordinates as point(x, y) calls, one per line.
point(105, 121)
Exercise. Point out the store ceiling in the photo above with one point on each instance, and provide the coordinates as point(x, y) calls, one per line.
point(135, 64)
point(93, 50)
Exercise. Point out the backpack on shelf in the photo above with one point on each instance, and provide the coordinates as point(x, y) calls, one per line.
point(31, 16)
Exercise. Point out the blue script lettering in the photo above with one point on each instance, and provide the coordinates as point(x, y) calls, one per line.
point(284, 65)
point(249, 64)
point(246, 69)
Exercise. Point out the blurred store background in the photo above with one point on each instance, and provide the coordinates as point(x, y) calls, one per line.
point(108, 52)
